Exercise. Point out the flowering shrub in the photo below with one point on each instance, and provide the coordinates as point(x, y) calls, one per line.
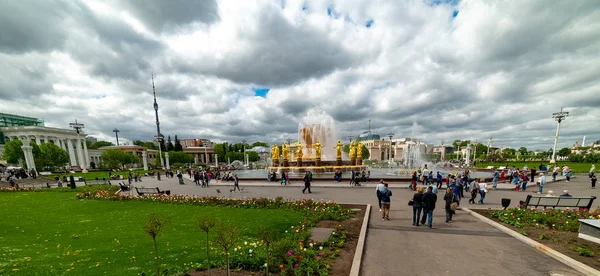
point(558, 219)
point(316, 210)
point(18, 189)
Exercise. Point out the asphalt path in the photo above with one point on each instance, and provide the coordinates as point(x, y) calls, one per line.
point(466, 246)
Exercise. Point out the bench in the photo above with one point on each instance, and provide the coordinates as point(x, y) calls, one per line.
point(151, 191)
point(556, 201)
point(97, 182)
point(40, 185)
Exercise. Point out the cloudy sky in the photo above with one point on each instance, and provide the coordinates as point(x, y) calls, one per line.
point(233, 70)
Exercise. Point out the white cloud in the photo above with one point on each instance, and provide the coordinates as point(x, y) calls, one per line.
point(496, 69)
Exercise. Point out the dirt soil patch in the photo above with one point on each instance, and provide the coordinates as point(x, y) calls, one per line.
point(561, 241)
point(342, 264)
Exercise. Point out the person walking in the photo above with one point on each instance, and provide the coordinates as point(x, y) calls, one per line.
point(495, 179)
point(306, 183)
point(482, 190)
point(429, 200)
point(438, 179)
point(474, 191)
point(386, 202)
point(524, 180)
point(352, 176)
point(236, 183)
point(541, 182)
point(450, 197)
point(592, 171)
point(568, 174)
point(417, 206)
point(593, 179)
point(283, 181)
point(378, 189)
point(555, 172)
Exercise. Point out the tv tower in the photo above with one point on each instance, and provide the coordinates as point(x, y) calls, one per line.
point(159, 137)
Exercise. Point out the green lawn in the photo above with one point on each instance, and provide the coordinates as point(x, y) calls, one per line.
point(52, 233)
point(576, 167)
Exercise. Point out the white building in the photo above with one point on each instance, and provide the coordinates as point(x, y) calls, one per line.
point(69, 140)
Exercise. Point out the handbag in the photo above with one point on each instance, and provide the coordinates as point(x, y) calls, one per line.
point(411, 202)
point(453, 206)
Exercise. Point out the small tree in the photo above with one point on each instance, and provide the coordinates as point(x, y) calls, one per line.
point(227, 238)
point(153, 227)
point(206, 224)
point(268, 235)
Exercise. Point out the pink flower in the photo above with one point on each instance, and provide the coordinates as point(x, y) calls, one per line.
point(296, 266)
point(318, 258)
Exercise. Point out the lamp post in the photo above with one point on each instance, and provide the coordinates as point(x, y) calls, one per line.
point(116, 131)
point(350, 138)
point(559, 117)
point(391, 134)
point(244, 150)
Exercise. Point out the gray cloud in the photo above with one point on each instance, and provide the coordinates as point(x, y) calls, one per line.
point(470, 77)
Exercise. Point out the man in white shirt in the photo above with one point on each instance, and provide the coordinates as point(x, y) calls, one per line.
point(378, 189)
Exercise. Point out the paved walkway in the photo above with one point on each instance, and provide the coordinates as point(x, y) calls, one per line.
point(464, 247)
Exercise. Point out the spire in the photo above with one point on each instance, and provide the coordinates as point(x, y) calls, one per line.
point(156, 108)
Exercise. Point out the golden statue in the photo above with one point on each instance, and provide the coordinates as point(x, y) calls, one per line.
point(359, 148)
point(317, 146)
point(275, 152)
point(286, 151)
point(338, 147)
point(352, 152)
point(299, 151)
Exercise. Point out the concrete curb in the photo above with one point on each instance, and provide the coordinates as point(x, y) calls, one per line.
point(576, 265)
point(355, 270)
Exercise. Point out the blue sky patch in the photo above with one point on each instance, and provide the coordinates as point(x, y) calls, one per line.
point(369, 23)
point(260, 91)
point(332, 13)
point(441, 2)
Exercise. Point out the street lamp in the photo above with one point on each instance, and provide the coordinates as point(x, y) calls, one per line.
point(559, 117)
point(391, 134)
point(244, 150)
point(350, 138)
point(159, 138)
point(116, 131)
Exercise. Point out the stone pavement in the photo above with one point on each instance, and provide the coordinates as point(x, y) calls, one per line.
point(465, 246)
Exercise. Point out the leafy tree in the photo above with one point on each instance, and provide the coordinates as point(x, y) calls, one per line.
point(115, 159)
point(153, 228)
point(100, 144)
point(509, 151)
point(232, 156)
point(253, 156)
point(522, 150)
point(13, 151)
point(150, 145)
point(180, 157)
point(51, 155)
point(206, 224)
point(227, 238)
point(177, 146)
point(269, 236)
point(564, 152)
point(259, 144)
point(221, 149)
point(169, 145)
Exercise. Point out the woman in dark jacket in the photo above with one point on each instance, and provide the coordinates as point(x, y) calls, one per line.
point(449, 197)
point(417, 205)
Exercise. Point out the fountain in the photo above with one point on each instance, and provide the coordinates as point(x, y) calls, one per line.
point(317, 149)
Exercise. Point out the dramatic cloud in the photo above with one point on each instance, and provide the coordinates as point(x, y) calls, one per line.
point(455, 69)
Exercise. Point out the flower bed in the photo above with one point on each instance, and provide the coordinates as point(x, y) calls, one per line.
point(555, 228)
point(315, 210)
point(561, 219)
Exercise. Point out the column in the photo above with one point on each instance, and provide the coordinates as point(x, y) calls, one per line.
point(72, 158)
point(167, 160)
point(145, 160)
point(216, 160)
point(79, 150)
point(60, 144)
point(37, 140)
point(86, 154)
point(27, 151)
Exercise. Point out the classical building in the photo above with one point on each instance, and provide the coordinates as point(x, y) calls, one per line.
point(203, 154)
point(195, 143)
point(69, 140)
point(393, 149)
